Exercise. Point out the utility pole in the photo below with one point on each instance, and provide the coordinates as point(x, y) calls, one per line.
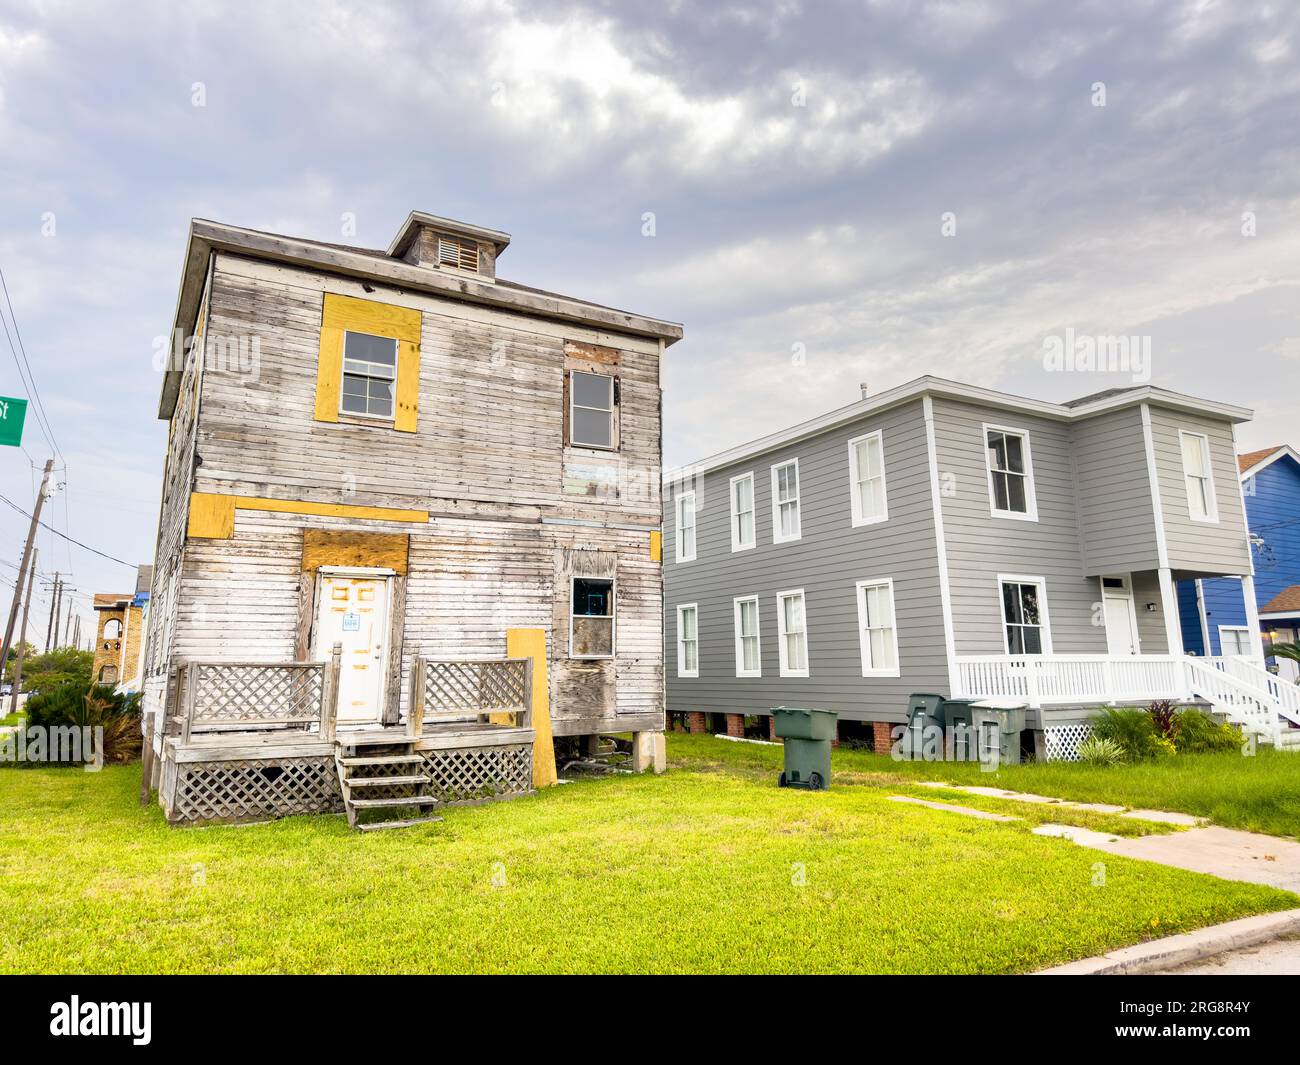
point(22, 640)
point(51, 633)
point(22, 570)
point(76, 631)
point(67, 624)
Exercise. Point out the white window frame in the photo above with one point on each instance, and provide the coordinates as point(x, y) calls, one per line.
point(682, 671)
point(613, 617)
point(681, 554)
point(1233, 628)
point(741, 671)
point(736, 543)
point(786, 670)
point(777, 538)
point(1211, 516)
point(574, 405)
point(855, 503)
point(1031, 496)
point(869, 670)
point(391, 416)
point(1045, 627)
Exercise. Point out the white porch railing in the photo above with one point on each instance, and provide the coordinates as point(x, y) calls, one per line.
point(1243, 690)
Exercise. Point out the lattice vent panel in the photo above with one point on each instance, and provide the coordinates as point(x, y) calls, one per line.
point(473, 773)
point(255, 789)
point(1062, 741)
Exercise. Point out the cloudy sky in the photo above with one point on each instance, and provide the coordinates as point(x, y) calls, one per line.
point(840, 193)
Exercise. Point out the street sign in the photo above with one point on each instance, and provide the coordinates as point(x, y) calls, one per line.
point(13, 412)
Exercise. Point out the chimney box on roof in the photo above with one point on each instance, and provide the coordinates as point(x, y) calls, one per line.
point(445, 244)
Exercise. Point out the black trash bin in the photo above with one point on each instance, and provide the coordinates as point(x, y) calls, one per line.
point(807, 734)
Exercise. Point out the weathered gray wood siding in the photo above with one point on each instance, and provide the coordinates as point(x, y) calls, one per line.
point(487, 461)
point(1212, 547)
point(826, 563)
point(981, 547)
point(1117, 522)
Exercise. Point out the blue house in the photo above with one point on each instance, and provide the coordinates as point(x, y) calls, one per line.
point(1213, 612)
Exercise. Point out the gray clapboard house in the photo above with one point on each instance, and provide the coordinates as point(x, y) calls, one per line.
point(407, 504)
point(941, 537)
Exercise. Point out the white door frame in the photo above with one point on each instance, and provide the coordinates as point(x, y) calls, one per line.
point(1126, 593)
point(320, 654)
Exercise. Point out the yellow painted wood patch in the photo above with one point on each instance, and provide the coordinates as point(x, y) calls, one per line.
point(341, 313)
point(656, 546)
point(531, 643)
point(329, 547)
point(212, 517)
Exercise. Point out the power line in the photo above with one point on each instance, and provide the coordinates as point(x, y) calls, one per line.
point(29, 379)
point(65, 536)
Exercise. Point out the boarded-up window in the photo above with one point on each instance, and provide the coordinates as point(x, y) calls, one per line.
point(591, 627)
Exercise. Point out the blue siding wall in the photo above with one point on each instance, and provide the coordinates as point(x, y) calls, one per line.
point(1273, 512)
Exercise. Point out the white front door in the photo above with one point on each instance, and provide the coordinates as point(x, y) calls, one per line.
point(1121, 619)
point(353, 611)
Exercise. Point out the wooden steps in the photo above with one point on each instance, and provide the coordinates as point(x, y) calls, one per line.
point(388, 776)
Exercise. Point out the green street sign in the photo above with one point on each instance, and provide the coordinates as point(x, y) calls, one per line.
point(13, 412)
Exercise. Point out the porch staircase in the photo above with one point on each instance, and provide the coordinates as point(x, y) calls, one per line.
point(1250, 696)
point(383, 781)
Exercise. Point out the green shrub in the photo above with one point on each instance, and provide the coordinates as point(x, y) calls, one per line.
point(1133, 731)
point(1096, 750)
point(83, 704)
point(1199, 733)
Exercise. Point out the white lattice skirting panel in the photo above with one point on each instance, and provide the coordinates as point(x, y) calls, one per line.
point(252, 789)
point(1062, 741)
point(471, 774)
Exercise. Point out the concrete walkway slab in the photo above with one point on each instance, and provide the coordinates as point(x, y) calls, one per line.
point(953, 808)
point(1222, 852)
point(1167, 817)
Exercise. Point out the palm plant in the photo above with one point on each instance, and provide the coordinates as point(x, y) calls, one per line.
point(1285, 650)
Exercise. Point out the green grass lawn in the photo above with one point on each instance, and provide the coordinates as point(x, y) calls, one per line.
point(708, 868)
point(1260, 793)
point(15, 718)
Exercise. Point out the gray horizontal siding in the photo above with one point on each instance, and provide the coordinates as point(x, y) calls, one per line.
point(980, 546)
point(826, 562)
point(1196, 545)
point(1116, 514)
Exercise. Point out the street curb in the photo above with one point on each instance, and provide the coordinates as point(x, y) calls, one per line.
point(1161, 954)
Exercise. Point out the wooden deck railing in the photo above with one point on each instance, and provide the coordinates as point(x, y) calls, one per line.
point(470, 688)
point(258, 696)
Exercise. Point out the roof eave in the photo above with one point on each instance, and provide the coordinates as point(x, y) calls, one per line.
point(206, 237)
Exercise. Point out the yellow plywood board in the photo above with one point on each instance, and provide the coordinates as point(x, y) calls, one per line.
point(531, 643)
point(341, 313)
point(656, 546)
point(212, 517)
point(340, 547)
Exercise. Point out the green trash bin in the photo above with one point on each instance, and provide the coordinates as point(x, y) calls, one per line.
point(807, 734)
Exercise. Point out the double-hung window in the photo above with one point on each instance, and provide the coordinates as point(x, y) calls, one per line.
point(748, 662)
point(792, 627)
point(593, 399)
point(1011, 473)
point(1024, 615)
point(1198, 477)
point(785, 502)
point(591, 623)
point(867, 478)
point(688, 640)
point(742, 512)
point(876, 628)
point(369, 375)
point(686, 527)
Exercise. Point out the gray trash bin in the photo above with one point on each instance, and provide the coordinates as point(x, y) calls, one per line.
point(998, 723)
point(923, 710)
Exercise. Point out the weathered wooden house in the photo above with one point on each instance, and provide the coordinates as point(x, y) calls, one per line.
point(387, 473)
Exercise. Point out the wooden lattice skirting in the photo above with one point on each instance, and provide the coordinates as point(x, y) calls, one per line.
point(472, 774)
point(252, 789)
